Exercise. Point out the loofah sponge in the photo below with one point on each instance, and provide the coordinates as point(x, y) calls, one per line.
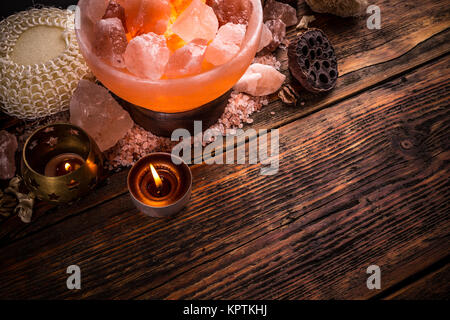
point(40, 63)
point(342, 8)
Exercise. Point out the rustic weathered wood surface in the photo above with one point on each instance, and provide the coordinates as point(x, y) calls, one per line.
point(364, 179)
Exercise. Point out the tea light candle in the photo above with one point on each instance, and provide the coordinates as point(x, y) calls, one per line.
point(63, 164)
point(159, 187)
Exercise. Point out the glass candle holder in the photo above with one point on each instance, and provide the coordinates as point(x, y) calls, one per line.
point(61, 163)
point(159, 187)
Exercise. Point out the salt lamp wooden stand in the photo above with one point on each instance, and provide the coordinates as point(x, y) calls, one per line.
point(163, 124)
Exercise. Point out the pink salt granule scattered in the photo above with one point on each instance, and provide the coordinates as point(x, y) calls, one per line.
point(269, 60)
point(138, 142)
point(238, 111)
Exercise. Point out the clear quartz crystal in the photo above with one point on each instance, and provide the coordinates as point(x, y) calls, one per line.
point(111, 41)
point(226, 44)
point(197, 21)
point(187, 60)
point(147, 56)
point(94, 109)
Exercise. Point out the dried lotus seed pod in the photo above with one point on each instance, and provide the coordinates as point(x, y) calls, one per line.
point(312, 61)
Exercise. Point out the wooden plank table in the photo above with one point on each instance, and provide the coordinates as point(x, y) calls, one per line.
point(364, 179)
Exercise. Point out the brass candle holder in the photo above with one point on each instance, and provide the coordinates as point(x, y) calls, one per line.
point(61, 163)
point(158, 186)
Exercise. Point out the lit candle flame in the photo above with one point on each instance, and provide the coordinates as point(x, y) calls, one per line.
point(67, 166)
point(156, 177)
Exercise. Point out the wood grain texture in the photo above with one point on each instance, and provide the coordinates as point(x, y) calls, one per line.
point(366, 183)
point(404, 24)
point(350, 84)
point(363, 182)
point(286, 244)
point(48, 214)
point(434, 286)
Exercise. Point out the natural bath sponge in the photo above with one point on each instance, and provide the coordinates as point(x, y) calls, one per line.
point(343, 8)
point(40, 62)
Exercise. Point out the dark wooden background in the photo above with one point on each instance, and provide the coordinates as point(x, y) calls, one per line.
point(364, 179)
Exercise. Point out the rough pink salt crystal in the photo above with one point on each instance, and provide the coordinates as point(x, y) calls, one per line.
point(8, 148)
point(96, 9)
point(187, 60)
point(197, 21)
point(147, 56)
point(132, 10)
point(144, 16)
point(226, 44)
point(278, 30)
point(260, 80)
point(115, 10)
point(94, 109)
point(235, 11)
point(233, 33)
point(276, 10)
point(154, 15)
point(266, 38)
point(111, 41)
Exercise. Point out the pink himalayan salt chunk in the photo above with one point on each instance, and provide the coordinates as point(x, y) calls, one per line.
point(155, 15)
point(260, 80)
point(115, 10)
point(144, 16)
point(278, 30)
point(96, 9)
point(266, 38)
point(276, 10)
point(147, 56)
point(235, 11)
point(111, 41)
point(94, 109)
point(197, 21)
point(8, 148)
point(187, 60)
point(226, 44)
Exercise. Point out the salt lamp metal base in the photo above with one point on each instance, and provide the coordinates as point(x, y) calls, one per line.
point(163, 124)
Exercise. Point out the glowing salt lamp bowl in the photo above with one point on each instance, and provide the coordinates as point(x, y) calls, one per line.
point(170, 95)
